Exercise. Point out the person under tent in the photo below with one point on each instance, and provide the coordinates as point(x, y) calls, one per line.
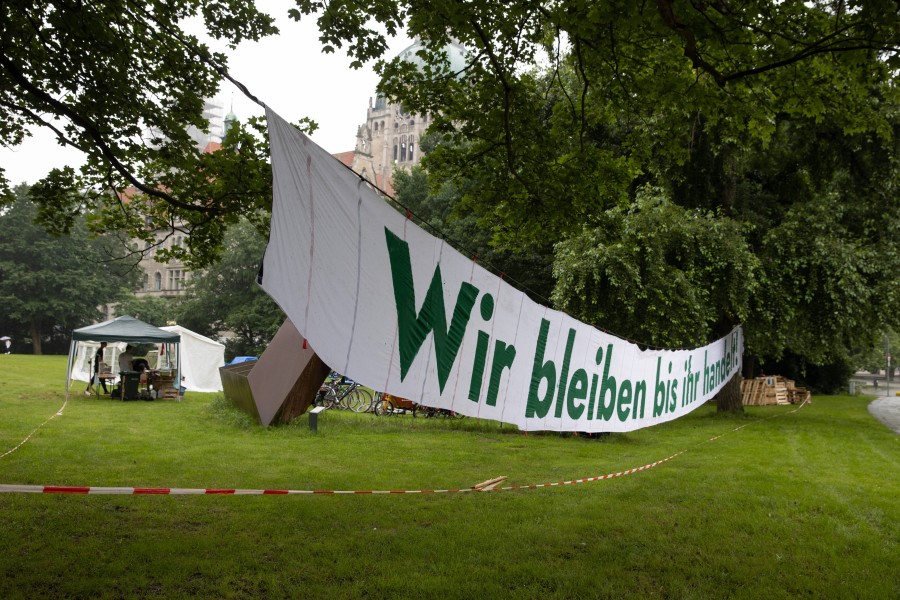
point(126, 359)
point(95, 372)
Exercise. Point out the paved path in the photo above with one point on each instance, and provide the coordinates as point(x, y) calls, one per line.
point(886, 408)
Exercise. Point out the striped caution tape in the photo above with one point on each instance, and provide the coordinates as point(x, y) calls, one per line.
point(489, 486)
point(136, 491)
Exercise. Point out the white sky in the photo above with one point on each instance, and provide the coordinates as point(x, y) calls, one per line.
point(287, 72)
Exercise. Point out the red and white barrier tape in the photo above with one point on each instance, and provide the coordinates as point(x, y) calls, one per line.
point(136, 491)
point(133, 491)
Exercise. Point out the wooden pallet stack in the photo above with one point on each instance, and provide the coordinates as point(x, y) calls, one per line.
point(773, 389)
point(799, 395)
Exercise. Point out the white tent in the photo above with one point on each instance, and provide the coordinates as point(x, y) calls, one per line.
point(201, 358)
point(82, 369)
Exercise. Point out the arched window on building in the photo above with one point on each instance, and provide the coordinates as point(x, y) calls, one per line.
point(412, 123)
point(146, 285)
point(412, 146)
point(157, 281)
point(376, 126)
point(395, 150)
point(403, 149)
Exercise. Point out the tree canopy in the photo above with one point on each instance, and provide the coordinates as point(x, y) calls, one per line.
point(721, 162)
point(697, 165)
point(51, 285)
point(122, 82)
point(225, 297)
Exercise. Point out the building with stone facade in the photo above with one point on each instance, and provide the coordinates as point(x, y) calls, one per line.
point(168, 279)
point(389, 139)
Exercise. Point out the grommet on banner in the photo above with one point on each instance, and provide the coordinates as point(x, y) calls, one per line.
point(304, 343)
point(408, 214)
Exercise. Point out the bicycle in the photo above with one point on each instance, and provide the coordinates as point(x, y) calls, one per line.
point(340, 392)
point(387, 404)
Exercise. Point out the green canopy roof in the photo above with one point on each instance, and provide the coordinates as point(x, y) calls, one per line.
point(124, 329)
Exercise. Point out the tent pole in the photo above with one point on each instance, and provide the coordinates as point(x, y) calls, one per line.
point(69, 368)
point(178, 377)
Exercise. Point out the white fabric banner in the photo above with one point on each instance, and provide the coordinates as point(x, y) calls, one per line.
point(397, 309)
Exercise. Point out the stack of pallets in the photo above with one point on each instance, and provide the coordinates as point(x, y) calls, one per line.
point(774, 389)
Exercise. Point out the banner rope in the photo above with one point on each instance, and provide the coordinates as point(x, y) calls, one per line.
point(490, 487)
point(28, 437)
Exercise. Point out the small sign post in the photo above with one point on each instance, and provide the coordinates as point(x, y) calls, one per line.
point(314, 418)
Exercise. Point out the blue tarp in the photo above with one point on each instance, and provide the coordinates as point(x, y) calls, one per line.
point(240, 359)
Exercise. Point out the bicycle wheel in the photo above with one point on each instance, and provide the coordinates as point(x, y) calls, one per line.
point(330, 399)
point(363, 402)
point(342, 396)
point(353, 400)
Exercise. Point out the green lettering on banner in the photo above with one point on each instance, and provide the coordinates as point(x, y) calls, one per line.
point(672, 386)
point(504, 355)
point(623, 405)
point(640, 398)
point(607, 384)
point(538, 406)
point(414, 328)
point(578, 390)
point(564, 376)
point(594, 379)
point(659, 391)
point(481, 349)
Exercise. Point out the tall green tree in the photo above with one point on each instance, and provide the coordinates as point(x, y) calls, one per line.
point(158, 312)
point(50, 285)
point(440, 212)
point(698, 165)
point(761, 119)
point(122, 82)
point(225, 297)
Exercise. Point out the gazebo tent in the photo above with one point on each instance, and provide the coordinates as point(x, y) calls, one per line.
point(121, 329)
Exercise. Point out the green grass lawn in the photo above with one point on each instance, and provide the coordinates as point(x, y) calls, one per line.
point(804, 504)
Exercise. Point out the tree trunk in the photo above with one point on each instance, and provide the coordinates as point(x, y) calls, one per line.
point(749, 370)
point(729, 398)
point(35, 336)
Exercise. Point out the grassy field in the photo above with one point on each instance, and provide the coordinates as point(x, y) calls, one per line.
point(803, 504)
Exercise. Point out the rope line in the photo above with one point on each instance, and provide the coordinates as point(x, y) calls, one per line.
point(28, 437)
point(139, 491)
